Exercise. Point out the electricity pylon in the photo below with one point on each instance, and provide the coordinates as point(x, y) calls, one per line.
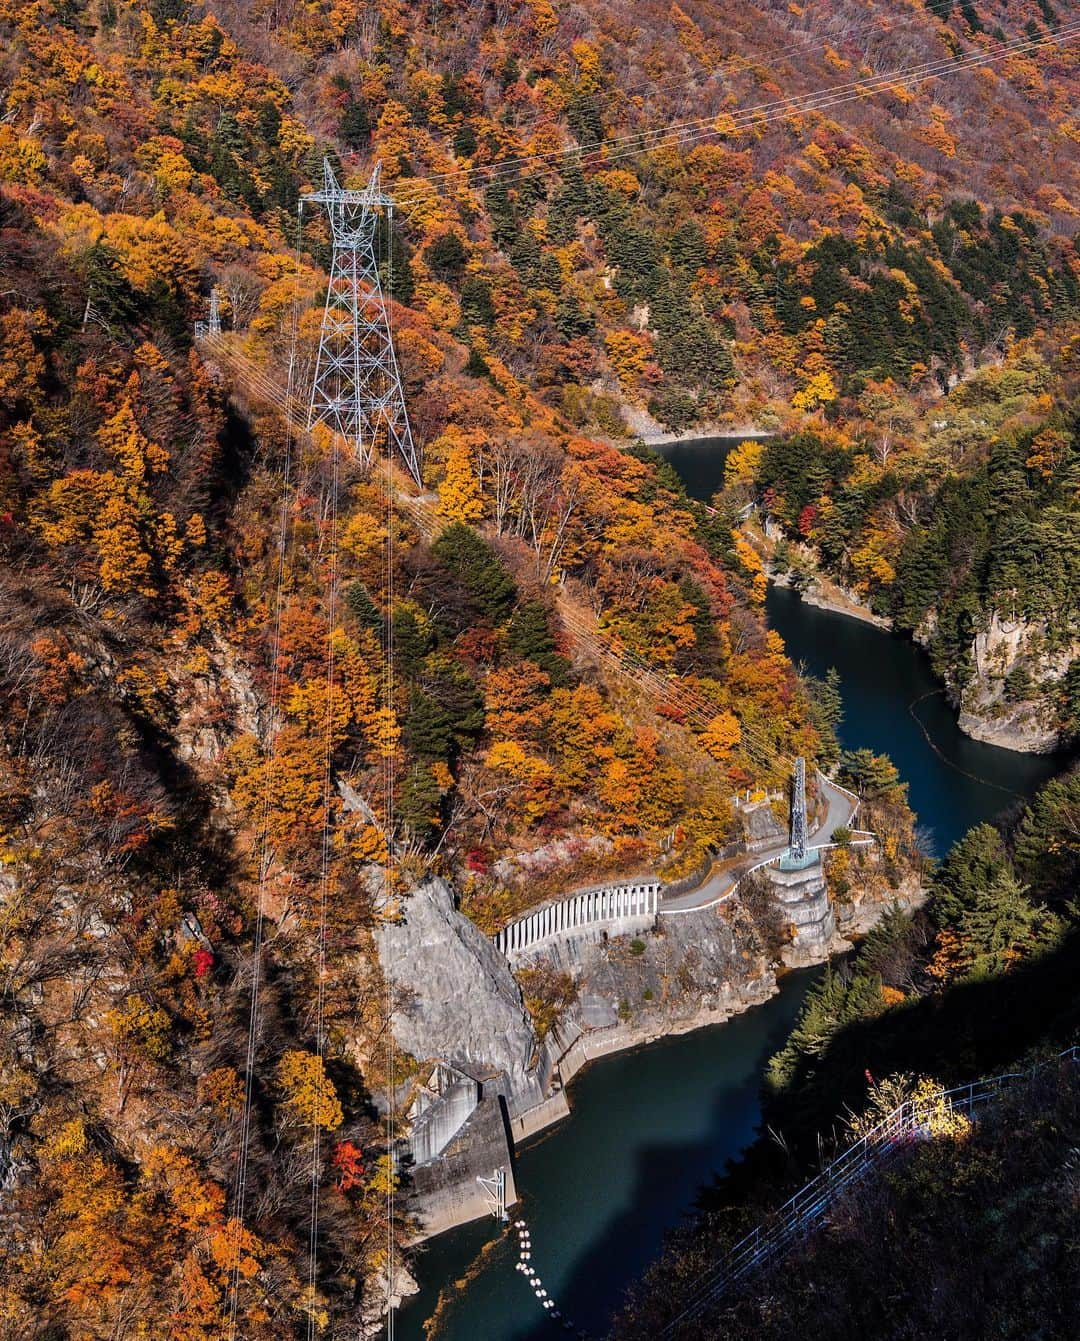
point(357, 389)
point(212, 329)
point(797, 850)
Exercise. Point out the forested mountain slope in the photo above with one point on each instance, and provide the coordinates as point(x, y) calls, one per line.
point(167, 715)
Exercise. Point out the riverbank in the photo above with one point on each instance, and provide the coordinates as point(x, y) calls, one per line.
point(594, 1044)
point(650, 1125)
point(825, 595)
point(466, 1204)
point(1019, 727)
point(649, 431)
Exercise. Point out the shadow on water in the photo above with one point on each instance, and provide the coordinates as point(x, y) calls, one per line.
point(648, 1129)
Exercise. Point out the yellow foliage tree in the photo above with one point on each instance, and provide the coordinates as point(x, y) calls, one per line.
point(819, 390)
point(722, 735)
point(122, 438)
point(742, 464)
point(308, 1091)
point(460, 499)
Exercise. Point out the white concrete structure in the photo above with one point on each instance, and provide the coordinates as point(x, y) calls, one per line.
point(620, 910)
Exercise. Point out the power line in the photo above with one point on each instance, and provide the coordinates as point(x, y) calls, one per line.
point(619, 147)
point(883, 23)
point(323, 886)
point(263, 846)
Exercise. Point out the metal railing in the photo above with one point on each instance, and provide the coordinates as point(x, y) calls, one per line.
point(907, 1123)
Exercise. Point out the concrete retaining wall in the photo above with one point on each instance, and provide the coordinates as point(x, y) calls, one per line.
point(620, 910)
point(438, 1116)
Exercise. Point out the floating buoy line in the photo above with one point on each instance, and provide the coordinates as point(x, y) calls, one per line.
point(532, 1278)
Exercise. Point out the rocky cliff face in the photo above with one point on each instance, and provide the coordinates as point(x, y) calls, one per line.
point(461, 1002)
point(698, 968)
point(1006, 702)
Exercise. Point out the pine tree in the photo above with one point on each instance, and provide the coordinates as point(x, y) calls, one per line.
point(1000, 928)
point(972, 865)
point(364, 609)
point(529, 635)
point(477, 567)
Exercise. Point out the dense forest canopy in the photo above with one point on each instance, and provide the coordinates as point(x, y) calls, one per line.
point(168, 718)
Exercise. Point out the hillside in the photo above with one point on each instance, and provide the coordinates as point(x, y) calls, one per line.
point(214, 783)
point(969, 1233)
point(979, 979)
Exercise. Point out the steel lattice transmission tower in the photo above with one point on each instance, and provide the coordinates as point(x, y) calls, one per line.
point(797, 850)
point(357, 389)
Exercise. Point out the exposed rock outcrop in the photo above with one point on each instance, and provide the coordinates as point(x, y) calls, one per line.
point(695, 969)
point(462, 1003)
point(1008, 654)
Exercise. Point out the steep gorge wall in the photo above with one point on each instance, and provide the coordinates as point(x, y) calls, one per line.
point(987, 712)
point(460, 1001)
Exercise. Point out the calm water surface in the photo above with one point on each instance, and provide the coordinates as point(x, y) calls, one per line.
point(892, 702)
point(649, 1127)
point(894, 705)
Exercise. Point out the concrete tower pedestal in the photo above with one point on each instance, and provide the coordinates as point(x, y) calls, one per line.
point(803, 898)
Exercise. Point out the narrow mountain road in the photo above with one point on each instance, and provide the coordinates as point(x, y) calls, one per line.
point(724, 876)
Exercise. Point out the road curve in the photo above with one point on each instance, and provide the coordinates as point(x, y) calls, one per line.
point(722, 879)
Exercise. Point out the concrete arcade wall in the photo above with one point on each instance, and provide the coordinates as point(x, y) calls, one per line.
point(620, 910)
